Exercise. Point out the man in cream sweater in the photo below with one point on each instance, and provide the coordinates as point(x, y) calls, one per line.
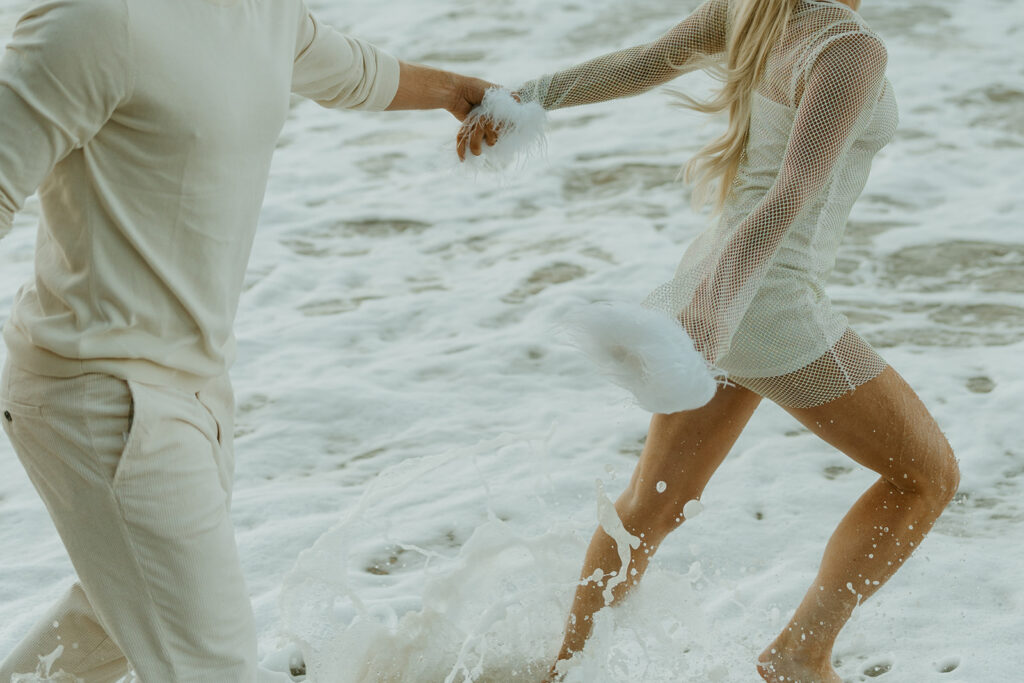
point(147, 127)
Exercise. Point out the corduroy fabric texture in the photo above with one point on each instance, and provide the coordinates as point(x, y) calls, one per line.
point(137, 479)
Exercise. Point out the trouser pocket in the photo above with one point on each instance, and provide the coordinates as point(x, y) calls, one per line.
point(87, 421)
point(132, 477)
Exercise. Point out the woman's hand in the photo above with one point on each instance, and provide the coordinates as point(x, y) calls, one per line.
point(702, 321)
point(703, 330)
point(474, 133)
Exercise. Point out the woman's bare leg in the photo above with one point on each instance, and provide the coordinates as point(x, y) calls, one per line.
point(884, 426)
point(683, 450)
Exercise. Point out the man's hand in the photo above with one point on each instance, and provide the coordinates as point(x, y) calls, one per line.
point(423, 87)
point(467, 94)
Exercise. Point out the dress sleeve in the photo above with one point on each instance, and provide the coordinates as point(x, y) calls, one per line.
point(341, 72)
point(62, 75)
point(843, 81)
point(637, 69)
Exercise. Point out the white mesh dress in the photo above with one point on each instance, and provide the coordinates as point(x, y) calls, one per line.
point(749, 290)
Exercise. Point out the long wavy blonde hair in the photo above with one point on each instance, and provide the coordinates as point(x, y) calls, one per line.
point(755, 26)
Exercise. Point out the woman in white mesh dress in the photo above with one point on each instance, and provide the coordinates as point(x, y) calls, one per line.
point(809, 105)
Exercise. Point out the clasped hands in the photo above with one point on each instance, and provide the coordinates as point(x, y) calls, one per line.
point(476, 130)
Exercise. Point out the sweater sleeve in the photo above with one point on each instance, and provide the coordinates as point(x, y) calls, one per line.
point(341, 72)
point(62, 75)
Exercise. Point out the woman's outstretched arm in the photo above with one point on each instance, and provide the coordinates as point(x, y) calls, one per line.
point(638, 69)
point(625, 73)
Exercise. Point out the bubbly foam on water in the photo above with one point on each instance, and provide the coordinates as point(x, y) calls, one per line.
point(494, 609)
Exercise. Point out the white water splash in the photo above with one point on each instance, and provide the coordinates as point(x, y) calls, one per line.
point(625, 542)
point(692, 509)
point(44, 671)
point(492, 609)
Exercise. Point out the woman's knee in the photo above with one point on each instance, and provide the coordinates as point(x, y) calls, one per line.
point(935, 477)
point(651, 515)
point(947, 478)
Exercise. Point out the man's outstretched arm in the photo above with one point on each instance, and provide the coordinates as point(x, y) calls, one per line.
point(342, 72)
point(423, 87)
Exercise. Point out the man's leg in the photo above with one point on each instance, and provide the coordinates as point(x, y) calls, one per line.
point(135, 479)
point(88, 651)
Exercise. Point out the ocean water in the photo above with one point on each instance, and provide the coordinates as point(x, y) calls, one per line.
point(421, 455)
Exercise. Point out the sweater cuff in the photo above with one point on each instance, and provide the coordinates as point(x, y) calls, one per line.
point(385, 86)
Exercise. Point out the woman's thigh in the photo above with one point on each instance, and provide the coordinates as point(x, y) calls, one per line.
point(884, 426)
point(683, 450)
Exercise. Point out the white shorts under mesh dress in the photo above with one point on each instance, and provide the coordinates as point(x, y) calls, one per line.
point(750, 289)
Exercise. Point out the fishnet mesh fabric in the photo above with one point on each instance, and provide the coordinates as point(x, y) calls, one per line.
point(749, 290)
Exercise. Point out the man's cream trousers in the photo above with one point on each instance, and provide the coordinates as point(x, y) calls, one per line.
point(137, 479)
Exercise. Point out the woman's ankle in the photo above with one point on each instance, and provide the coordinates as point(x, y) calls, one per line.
point(808, 648)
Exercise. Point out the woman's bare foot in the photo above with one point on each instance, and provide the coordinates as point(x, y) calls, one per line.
point(783, 664)
point(552, 677)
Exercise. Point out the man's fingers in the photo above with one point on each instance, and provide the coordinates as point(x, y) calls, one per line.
point(491, 136)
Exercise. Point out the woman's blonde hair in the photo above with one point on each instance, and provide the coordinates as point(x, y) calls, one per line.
point(755, 26)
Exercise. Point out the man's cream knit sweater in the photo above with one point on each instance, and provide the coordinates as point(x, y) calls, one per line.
point(148, 128)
